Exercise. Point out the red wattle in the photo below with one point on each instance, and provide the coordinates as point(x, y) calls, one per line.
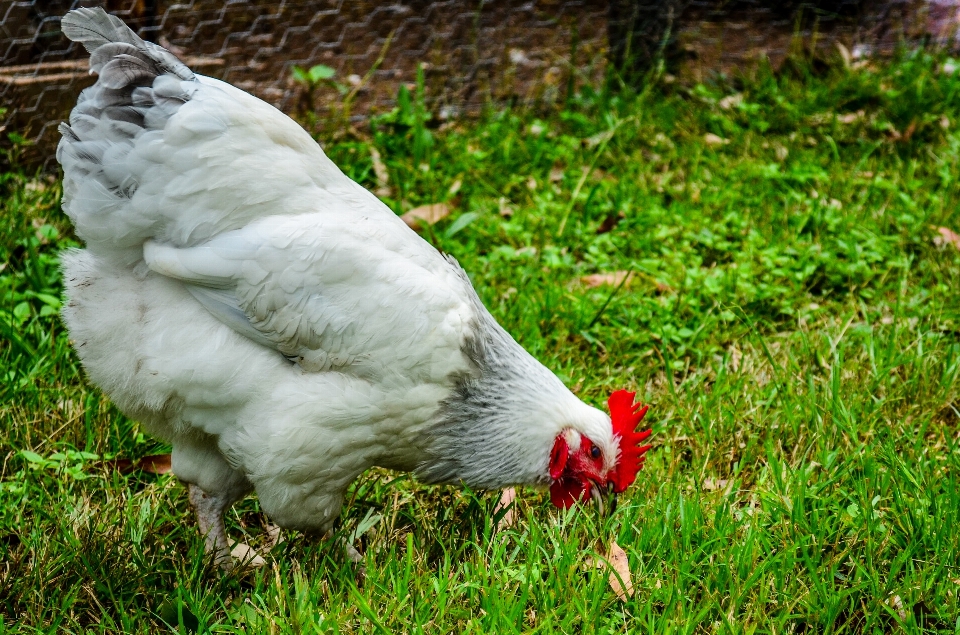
point(565, 492)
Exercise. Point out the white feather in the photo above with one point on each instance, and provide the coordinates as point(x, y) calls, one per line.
point(247, 301)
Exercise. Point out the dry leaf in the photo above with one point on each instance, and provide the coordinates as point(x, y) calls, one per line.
point(730, 101)
point(531, 183)
point(609, 222)
point(506, 502)
point(556, 174)
point(844, 54)
point(946, 237)
point(505, 209)
point(713, 140)
point(735, 357)
point(896, 603)
point(909, 131)
point(619, 579)
point(426, 214)
point(455, 187)
point(599, 279)
point(154, 464)
point(851, 117)
point(247, 556)
point(381, 172)
point(274, 537)
point(710, 485)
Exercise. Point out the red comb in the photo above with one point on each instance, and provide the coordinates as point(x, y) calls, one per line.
point(624, 417)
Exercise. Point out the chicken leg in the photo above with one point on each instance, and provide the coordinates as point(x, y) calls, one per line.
point(210, 509)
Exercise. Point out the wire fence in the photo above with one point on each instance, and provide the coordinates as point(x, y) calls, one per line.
point(465, 54)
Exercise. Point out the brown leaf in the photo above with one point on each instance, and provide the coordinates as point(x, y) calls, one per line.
point(612, 279)
point(154, 464)
point(273, 537)
point(946, 236)
point(426, 215)
point(710, 484)
point(735, 356)
point(911, 128)
point(506, 502)
point(730, 101)
point(713, 140)
point(245, 555)
point(851, 117)
point(556, 174)
point(609, 223)
point(619, 578)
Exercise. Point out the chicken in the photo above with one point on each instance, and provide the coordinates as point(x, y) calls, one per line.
point(279, 325)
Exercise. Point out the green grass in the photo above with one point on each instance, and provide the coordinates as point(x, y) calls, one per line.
point(789, 317)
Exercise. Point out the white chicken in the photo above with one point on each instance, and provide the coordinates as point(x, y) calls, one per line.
point(280, 326)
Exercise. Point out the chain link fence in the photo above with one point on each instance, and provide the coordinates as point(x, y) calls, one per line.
point(471, 53)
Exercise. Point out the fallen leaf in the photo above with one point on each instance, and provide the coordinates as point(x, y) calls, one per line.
point(713, 140)
point(844, 54)
point(609, 222)
point(710, 485)
point(455, 187)
point(909, 131)
point(247, 556)
point(619, 578)
point(851, 117)
point(381, 172)
point(556, 174)
point(730, 101)
point(896, 603)
point(426, 214)
point(154, 464)
point(506, 502)
point(274, 537)
point(613, 279)
point(946, 236)
point(735, 357)
point(505, 209)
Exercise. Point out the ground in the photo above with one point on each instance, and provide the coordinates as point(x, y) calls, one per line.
point(767, 260)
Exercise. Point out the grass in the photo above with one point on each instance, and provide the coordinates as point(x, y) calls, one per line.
point(788, 315)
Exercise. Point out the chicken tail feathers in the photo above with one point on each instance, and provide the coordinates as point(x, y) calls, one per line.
point(108, 39)
point(140, 86)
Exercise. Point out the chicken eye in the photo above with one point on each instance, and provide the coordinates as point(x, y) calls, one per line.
point(595, 452)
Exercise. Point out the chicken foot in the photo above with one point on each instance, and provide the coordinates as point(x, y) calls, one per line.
point(210, 509)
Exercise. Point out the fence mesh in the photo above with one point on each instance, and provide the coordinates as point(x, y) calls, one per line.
point(471, 53)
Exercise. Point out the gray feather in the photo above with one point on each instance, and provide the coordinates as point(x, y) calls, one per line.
point(124, 70)
point(224, 306)
point(95, 27)
point(141, 85)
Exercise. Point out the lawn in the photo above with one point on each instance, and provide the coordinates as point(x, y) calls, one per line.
point(760, 258)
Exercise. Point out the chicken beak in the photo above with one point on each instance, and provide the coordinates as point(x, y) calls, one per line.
point(599, 494)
